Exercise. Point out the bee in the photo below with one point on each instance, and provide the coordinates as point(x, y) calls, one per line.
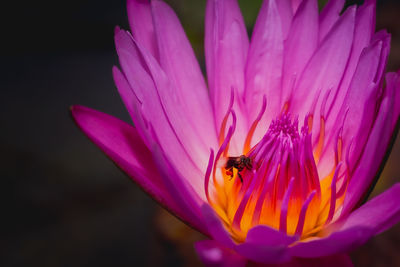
point(238, 163)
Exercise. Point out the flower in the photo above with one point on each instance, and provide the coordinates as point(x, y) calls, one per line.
point(274, 160)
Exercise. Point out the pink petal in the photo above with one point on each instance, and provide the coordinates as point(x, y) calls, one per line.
point(358, 109)
point(303, 36)
point(181, 191)
point(121, 142)
point(215, 228)
point(376, 146)
point(295, 5)
point(264, 254)
point(374, 217)
point(327, 66)
point(133, 67)
point(141, 23)
point(393, 80)
point(226, 48)
point(378, 214)
point(212, 253)
point(329, 16)
point(269, 247)
point(266, 245)
point(323, 74)
point(337, 242)
point(180, 64)
point(385, 37)
point(225, 36)
point(365, 21)
point(361, 99)
point(132, 104)
point(264, 66)
point(185, 145)
point(266, 236)
point(286, 15)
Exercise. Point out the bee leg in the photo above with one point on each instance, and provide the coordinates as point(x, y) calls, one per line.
point(240, 177)
point(249, 166)
point(229, 172)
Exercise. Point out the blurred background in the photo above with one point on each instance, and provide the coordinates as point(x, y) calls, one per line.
point(62, 202)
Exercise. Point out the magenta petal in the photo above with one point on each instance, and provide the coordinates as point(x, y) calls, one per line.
point(326, 67)
point(264, 66)
point(365, 26)
point(385, 37)
point(337, 242)
point(362, 95)
point(121, 142)
point(263, 244)
point(393, 81)
point(178, 61)
point(141, 24)
point(303, 36)
point(266, 245)
point(226, 48)
point(372, 218)
point(132, 104)
point(264, 235)
point(295, 5)
point(272, 249)
point(133, 67)
point(264, 254)
point(378, 214)
point(329, 15)
point(286, 15)
point(212, 253)
point(174, 127)
point(215, 227)
point(358, 107)
point(181, 191)
point(376, 146)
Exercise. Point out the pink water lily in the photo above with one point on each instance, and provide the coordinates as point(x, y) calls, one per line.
point(274, 156)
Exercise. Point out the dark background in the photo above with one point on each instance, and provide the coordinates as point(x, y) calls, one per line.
point(62, 202)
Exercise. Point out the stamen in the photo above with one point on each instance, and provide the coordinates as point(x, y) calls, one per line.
point(243, 203)
point(345, 181)
point(225, 120)
point(338, 148)
point(280, 189)
point(208, 173)
point(233, 130)
point(267, 184)
point(321, 138)
point(286, 105)
point(246, 147)
point(323, 104)
point(285, 206)
point(300, 224)
point(223, 149)
point(333, 194)
point(318, 150)
point(310, 166)
point(310, 116)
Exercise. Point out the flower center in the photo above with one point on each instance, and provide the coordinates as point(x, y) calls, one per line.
point(275, 183)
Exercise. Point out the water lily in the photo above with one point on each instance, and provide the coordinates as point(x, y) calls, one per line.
point(273, 158)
